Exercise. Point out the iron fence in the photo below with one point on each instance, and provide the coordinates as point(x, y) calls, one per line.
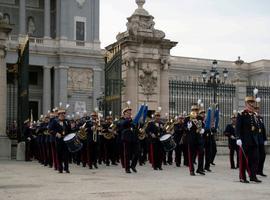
point(264, 94)
point(12, 93)
point(183, 93)
point(113, 85)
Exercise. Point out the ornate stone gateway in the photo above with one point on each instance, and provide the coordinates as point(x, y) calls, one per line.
point(145, 61)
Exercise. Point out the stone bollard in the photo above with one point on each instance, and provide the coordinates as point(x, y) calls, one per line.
point(20, 155)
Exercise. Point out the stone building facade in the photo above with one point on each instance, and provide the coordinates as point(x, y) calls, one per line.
point(66, 62)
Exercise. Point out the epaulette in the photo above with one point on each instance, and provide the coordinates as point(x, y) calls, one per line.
point(243, 112)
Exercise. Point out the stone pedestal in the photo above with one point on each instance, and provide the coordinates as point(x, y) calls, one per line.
point(5, 143)
point(145, 55)
point(5, 148)
point(240, 93)
point(20, 155)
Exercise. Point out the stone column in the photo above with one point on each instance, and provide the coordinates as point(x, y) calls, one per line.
point(47, 18)
point(22, 17)
point(96, 85)
point(46, 89)
point(3, 90)
point(56, 87)
point(63, 84)
point(240, 93)
point(58, 17)
point(164, 86)
point(96, 21)
point(62, 20)
point(131, 92)
point(5, 143)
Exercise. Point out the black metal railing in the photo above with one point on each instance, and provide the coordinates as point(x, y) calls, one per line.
point(113, 85)
point(183, 93)
point(12, 93)
point(264, 94)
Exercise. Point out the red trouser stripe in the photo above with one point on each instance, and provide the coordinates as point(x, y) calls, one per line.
point(125, 164)
point(241, 175)
point(190, 160)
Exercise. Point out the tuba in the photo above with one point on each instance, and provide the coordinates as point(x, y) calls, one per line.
point(109, 134)
point(142, 132)
point(82, 134)
point(169, 126)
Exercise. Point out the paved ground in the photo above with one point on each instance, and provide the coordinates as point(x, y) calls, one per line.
point(29, 180)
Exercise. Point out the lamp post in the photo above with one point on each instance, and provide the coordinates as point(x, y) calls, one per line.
point(214, 79)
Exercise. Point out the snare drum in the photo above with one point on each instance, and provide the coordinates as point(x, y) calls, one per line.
point(168, 142)
point(73, 142)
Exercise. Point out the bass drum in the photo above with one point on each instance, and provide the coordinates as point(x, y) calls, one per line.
point(168, 142)
point(73, 142)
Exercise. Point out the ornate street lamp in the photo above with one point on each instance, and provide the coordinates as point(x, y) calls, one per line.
point(214, 79)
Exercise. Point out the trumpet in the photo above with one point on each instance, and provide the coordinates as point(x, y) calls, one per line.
point(97, 128)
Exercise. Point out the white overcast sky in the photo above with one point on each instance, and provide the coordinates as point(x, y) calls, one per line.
point(215, 29)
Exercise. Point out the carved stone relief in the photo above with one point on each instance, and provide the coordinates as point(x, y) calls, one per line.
point(80, 79)
point(148, 79)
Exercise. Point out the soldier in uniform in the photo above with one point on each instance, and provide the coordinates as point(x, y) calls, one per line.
point(74, 128)
point(247, 135)
point(60, 128)
point(262, 140)
point(80, 127)
point(195, 129)
point(130, 141)
point(143, 142)
point(92, 140)
point(42, 139)
point(52, 140)
point(155, 130)
point(27, 133)
point(109, 140)
point(180, 140)
point(207, 143)
point(230, 133)
point(47, 145)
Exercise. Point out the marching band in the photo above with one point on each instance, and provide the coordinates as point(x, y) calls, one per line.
point(58, 140)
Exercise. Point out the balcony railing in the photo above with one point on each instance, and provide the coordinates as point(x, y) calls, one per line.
point(47, 42)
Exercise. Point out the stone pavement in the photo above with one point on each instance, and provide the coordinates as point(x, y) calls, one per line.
point(29, 180)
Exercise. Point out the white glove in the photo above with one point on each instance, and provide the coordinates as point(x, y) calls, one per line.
point(202, 131)
point(28, 138)
point(239, 142)
point(189, 125)
point(232, 137)
point(58, 135)
point(265, 142)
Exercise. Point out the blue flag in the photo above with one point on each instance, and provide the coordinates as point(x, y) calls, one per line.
point(145, 111)
point(216, 118)
point(208, 119)
point(138, 115)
